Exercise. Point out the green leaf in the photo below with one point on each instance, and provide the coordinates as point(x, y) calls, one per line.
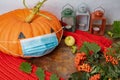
point(116, 69)
point(111, 72)
point(116, 47)
point(105, 78)
point(86, 47)
point(116, 35)
point(54, 77)
point(95, 69)
point(94, 47)
point(79, 76)
point(26, 67)
point(40, 73)
point(90, 59)
point(75, 76)
point(96, 56)
point(84, 76)
point(116, 29)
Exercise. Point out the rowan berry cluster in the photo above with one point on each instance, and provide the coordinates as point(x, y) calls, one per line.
point(80, 58)
point(84, 67)
point(110, 58)
point(79, 62)
point(95, 77)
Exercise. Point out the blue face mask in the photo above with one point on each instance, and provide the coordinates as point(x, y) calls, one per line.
point(40, 45)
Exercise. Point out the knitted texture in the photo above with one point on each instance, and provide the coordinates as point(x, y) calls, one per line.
point(82, 36)
point(9, 69)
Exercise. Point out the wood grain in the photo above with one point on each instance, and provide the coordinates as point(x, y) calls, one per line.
point(60, 61)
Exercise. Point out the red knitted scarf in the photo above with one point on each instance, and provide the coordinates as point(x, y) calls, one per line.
point(9, 69)
point(82, 36)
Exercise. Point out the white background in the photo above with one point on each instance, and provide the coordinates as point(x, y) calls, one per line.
point(112, 7)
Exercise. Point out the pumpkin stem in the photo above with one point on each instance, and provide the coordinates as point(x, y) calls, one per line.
point(25, 4)
point(34, 11)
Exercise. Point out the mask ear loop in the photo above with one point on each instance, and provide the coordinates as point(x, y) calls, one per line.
point(61, 33)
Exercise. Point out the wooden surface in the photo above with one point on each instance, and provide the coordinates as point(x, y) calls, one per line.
point(60, 61)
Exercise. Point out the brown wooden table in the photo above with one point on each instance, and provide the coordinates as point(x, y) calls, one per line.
point(60, 61)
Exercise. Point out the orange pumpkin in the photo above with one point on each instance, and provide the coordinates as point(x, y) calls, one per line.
point(13, 24)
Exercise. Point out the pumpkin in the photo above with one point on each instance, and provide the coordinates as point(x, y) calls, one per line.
point(25, 23)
